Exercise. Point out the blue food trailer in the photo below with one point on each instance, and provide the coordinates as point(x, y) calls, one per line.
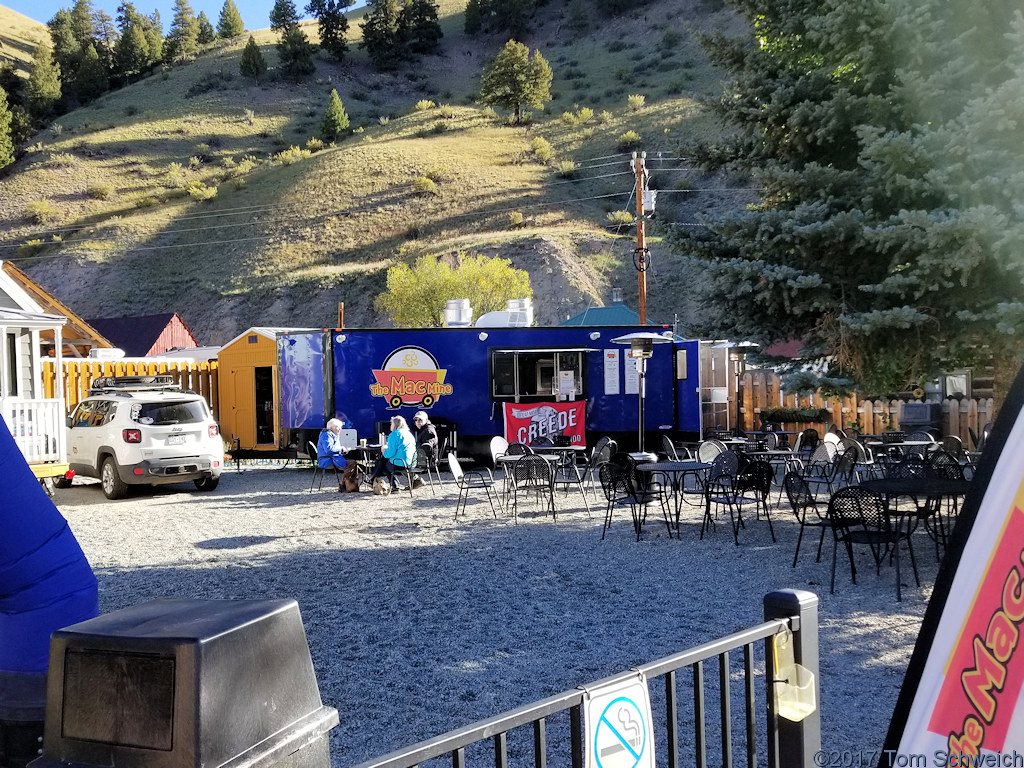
point(479, 382)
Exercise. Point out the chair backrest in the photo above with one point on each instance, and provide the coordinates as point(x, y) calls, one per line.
point(857, 507)
point(708, 450)
point(954, 446)
point(602, 441)
point(809, 439)
point(921, 435)
point(911, 466)
point(314, 452)
point(771, 440)
point(945, 465)
point(832, 437)
point(422, 458)
point(757, 476)
point(724, 465)
point(498, 447)
point(799, 494)
point(562, 441)
point(518, 449)
point(824, 453)
point(614, 481)
point(531, 469)
point(669, 448)
point(455, 467)
point(845, 468)
point(543, 440)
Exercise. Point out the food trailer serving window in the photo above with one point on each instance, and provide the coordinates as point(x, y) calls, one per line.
point(536, 373)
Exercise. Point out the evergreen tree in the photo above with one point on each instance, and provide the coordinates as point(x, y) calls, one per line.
point(419, 27)
point(230, 23)
point(295, 53)
point(515, 78)
point(66, 49)
point(106, 34)
point(82, 24)
point(513, 16)
point(43, 90)
point(335, 120)
point(12, 83)
point(207, 34)
point(332, 25)
point(381, 34)
point(91, 79)
point(127, 15)
point(253, 64)
point(131, 54)
point(183, 39)
point(889, 236)
point(6, 142)
point(473, 19)
point(283, 15)
point(154, 30)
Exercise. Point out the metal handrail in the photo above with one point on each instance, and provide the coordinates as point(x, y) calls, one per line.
point(457, 740)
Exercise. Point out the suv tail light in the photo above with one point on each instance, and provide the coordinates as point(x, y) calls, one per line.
point(214, 430)
point(132, 435)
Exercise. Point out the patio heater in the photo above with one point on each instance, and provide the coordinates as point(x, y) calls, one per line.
point(641, 347)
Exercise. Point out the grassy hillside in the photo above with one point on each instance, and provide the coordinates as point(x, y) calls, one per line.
point(19, 36)
point(108, 209)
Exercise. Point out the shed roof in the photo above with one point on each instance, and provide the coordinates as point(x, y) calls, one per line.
point(614, 314)
point(136, 334)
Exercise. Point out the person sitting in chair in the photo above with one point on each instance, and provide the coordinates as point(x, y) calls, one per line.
point(426, 438)
point(398, 454)
point(329, 449)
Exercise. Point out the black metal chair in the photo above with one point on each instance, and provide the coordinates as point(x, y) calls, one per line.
point(472, 479)
point(859, 516)
point(617, 493)
point(319, 471)
point(424, 464)
point(532, 474)
point(804, 504)
point(718, 490)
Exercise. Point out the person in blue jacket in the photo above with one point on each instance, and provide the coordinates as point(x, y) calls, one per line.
point(398, 454)
point(329, 449)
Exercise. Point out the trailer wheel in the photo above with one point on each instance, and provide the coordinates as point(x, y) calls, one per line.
point(395, 401)
point(428, 400)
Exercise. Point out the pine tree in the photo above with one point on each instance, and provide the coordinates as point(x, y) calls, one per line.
point(283, 15)
point(253, 64)
point(106, 34)
point(515, 78)
point(131, 54)
point(381, 34)
point(230, 23)
point(183, 39)
point(207, 34)
point(295, 53)
point(332, 25)
point(887, 240)
point(154, 30)
point(91, 79)
point(335, 120)
point(66, 49)
point(82, 24)
point(420, 29)
point(6, 143)
point(473, 19)
point(43, 89)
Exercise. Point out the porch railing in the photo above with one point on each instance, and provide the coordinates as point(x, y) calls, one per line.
point(38, 428)
point(786, 744)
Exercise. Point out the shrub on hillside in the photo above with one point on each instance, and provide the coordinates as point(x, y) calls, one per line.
point(292, 155)
point(100, 191)
point(567, 169)
point(314, 144)
point(619, 218)
point(177, 178)
point(61, 159)
point(541, 149)
point(424, 104)
point(41, 212)
point(201, 192)
point(628, 141)
point(424, 186)
point(636, 101)
point(515, 219)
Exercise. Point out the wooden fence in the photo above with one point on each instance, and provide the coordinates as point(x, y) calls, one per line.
point(80, 374)
point(761, 390)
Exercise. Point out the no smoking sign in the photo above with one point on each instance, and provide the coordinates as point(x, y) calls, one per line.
point(617, 719)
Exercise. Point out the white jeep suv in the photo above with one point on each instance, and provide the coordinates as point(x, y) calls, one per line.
point(144, 430)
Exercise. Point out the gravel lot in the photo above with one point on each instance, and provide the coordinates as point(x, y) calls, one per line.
point(419, 624)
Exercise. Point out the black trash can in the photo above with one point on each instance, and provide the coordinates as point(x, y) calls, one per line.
point(184, 684)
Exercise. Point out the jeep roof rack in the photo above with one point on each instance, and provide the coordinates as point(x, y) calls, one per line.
point(134, 384)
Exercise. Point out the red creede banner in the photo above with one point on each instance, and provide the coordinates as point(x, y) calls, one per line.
point(526, 423)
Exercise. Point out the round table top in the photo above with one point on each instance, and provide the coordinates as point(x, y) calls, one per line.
point(672, 466)
point(917, 486)
point(515, 457)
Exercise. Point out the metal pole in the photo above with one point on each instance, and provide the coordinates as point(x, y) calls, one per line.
point(640, 256)
point(641, 367)
point(794, 745)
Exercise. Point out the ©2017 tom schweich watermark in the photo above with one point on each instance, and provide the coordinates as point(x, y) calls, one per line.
point(891, 758)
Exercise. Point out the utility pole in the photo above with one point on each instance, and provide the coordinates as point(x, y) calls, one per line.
point(641, 256)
